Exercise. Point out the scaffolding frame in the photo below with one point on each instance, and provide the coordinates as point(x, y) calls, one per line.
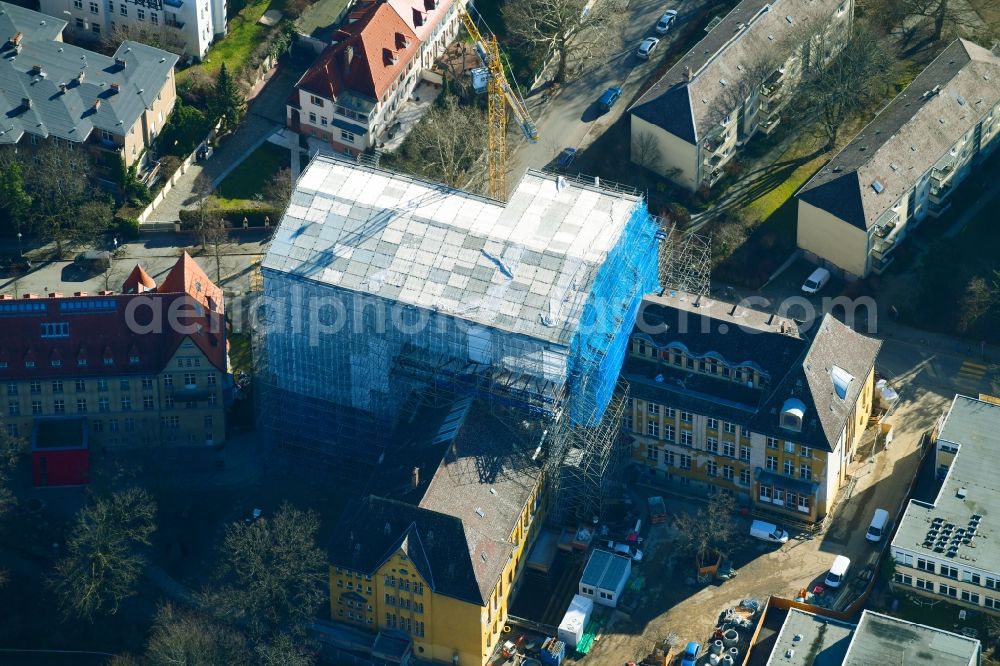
point(686, 261)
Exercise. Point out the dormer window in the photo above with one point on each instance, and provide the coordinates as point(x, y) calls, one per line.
point(841, 381)
point(389, 57)
point(792, 413)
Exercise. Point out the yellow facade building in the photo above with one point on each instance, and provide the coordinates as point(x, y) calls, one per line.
point(431, 561)
point(726, 398)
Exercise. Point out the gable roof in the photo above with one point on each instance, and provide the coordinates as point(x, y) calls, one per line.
point(371, 50)
point(422, 16)
point(685, 107)
point(909, 136)
point(799, 368)
point(37, 67)
point(138, 281)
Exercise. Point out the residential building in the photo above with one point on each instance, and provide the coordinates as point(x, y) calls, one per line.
point(904, 164)
point(187, 27)
point(351, 95)
point(727, 398)
point(604, 577)
point(142, 368)
point(377, 285)
point(807, 639)
point(944, 550)
point(58, 92)
point(735, 82)
point(436, 557)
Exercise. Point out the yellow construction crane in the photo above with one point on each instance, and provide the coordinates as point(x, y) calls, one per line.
point(500, 95)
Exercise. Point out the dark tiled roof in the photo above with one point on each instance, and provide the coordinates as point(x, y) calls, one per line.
point(908, 136)
point(798, 368)
point(100, 338)
point(84, 106)
point(685, 108)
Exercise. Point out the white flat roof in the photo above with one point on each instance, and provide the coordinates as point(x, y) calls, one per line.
point(526, 266)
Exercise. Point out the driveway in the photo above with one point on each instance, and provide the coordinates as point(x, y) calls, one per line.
point(570, 117)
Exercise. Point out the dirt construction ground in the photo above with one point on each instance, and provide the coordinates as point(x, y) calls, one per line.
point(926, 379)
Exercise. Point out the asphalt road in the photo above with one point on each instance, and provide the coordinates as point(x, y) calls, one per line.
point(571, 118)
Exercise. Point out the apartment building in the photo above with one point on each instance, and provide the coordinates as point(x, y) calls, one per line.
point(57, 92)
point(727, 398)
point(945, 550)
point(904, 165)
point(144, 367)
point(351, 95)
point(435, 558)
point(187, 27)
point(734, 83)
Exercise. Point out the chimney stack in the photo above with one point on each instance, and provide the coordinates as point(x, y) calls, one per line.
point(26, 102)
point(79, 77)
point(115, 88)
point(120, 63)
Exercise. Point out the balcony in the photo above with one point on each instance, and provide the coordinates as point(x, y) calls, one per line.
point(769, 125)
point(879, 266)
point(882, 248)
point(713, 177)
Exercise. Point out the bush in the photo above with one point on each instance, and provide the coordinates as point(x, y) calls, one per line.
point(126, 221)
point(233, 216)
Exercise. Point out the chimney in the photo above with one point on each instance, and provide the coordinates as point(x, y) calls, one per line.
point(55, 294)
point(415, 477)
point(97, 104)
point(79, 293)
point(26, 102)
point(62, 88)
point(115, 88)
point(120, 63)
point(79, 77)
point(16, 39)
point(35, 70)
point(348, 56)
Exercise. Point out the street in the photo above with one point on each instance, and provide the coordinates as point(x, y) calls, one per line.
point(570, 118)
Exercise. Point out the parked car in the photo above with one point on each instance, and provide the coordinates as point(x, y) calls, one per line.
point(646, 48)
point(877, 527)
point(690, 655)
point(566, 158)
point(627, 550)
point(816, 281)
point(769, 532)
point(93, 260)
point(838, 571)
point(609, 97)
point(667, 20)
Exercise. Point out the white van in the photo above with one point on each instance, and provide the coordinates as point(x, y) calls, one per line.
point(877, 527)
point(838, 571)
point(816, 280)
point(769, 532)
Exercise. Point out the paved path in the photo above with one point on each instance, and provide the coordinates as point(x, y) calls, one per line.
point(265, 113)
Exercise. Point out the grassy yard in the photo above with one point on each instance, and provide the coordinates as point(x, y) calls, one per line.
point(245, 33)
point(252, 176)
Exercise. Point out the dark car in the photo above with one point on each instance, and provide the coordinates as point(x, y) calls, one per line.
point(609, 98)
point(566, 158)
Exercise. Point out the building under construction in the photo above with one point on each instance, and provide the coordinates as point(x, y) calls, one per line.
point(381, 289)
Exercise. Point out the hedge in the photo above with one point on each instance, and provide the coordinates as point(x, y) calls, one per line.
point(233, 216)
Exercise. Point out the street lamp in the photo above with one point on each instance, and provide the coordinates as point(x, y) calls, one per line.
point(19, 250)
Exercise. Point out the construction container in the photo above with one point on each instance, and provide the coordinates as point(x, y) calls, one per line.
point(553, 652)
point(576, 618)
point(657, 510)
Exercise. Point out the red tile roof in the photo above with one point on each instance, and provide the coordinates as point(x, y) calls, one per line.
point(138, 281)
point(84, 336)
point(372, 48)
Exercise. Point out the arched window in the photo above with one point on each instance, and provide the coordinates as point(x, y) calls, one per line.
point(792, 413)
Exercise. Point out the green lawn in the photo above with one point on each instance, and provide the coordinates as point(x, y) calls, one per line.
point(245, 33)
point(251, 177)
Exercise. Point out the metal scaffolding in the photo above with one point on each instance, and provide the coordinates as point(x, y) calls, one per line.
point(685, 262)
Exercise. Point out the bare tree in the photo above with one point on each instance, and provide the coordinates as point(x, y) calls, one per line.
point(449, 142)
point(566, 28)
point(192, 639)
point(215, 234)
point(710, 530)
point(848, 82)
point(278, 189)
point(646, 151)
point(103, 559)
point(111, 274)
point(737, 94)
point(940, 13)
point(152, 35)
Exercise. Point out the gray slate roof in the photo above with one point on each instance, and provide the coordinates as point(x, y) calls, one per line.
point(605, 570)
point(753, 27)
point(71, 114)
point(810, 640)
point(908, 136)
point(798, 366)
point(971, 424)
point(880, 639)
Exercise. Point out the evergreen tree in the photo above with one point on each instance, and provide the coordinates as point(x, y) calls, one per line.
point(227, 103)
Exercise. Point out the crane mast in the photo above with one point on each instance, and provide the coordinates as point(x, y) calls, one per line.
point(500, 96)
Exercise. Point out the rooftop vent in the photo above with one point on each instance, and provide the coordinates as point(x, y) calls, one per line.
point(789, 19)
point(80, 77)
point(877, 186)
point(962, 492)
point(894, 166)
point(480, 512)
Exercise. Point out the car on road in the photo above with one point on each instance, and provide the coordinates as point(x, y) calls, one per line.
point(667, 20)
point(647, 47)
point(690, 655)
point(566, 158)
point(609, 97)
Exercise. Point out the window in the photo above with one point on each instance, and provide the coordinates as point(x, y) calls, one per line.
point(730, 428)
point(316, 101)
point(147, 402)
point(728, 472)
point(713, 424)
point(652, 453)
point(992, 583)
point(12, 429)
point(711, 468)
point(685, 461)
point(765, 493)
point(744, 431)
point(729, 449)
point(211, 379)
point(126, 403)
point(312, 118)
point(14, 408)
point(653, 409)
point(112, 425)
point(803, 504)
point(102, 384)
point(11, 389)
point(670, 413)
point(94, 8)
point(925, 565)
point(153, 18)
point(123, 10)
point(79, 24)
point(190, 381)
point(418, 588)
point(947, 590)
point(123, 384)
point(140, 14)
point(924, 584)
point(77, 4)
point(627, 424)
point(208, 426)
point(772, 463)
point(389, 581)
point(772, 443)
point(990, 602)
point(346, 136)
point(949, 572)
point(668, 458)
point(686, 438)
point(789, 447)
point(805, 472)
point(652, 428)
point(57, 386)
point(970, 597)
point(744, 453)
point(805, 452)
point(168, 380)
point(102, 405)
point(902, 578)
point(59, 406)
point(789, 467)
point(80, 385)
point(129, 424)
point(390, 600)
point(81, 405)
point(668, 433)
point(686, 417)
point(36, 388)
point(745, 477)
point(147, 383)
point(712, 445)
point(36, 407)
point(970, 577)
